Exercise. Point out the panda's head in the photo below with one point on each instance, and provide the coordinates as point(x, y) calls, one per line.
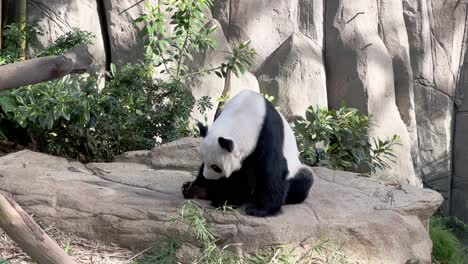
point(219, 154)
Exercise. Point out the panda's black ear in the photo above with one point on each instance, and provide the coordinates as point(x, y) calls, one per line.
point(203, 129)
point(226, 144)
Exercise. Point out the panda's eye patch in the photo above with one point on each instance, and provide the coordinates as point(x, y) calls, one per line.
point(216, 168)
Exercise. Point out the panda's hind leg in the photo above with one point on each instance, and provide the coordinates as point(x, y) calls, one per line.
point(299, 186)
point(270, 193)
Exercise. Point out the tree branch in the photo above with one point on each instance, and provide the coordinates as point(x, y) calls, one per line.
point(43, 69)
point(20, 227)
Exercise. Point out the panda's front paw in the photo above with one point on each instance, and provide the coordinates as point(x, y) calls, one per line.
point(186, 187)
point(260, 212)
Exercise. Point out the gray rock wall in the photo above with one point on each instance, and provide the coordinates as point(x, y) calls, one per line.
point(401, 61)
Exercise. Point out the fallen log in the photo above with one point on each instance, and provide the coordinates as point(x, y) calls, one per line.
point(20, 227)
point(37, 70)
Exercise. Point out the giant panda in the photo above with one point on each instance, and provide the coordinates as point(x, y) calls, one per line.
point(250, 156)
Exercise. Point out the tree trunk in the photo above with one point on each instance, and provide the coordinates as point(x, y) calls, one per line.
point(20, 227)
point(44, 69)
point(226, 91)
point(23, 6)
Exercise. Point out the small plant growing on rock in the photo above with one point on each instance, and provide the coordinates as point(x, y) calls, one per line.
point(171, 48)
point(338, 139)
point(191, 213)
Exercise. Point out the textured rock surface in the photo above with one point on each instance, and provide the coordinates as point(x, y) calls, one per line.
point(210, 84)
point(393, 33)
point(367, 57)
point(179, 154)
point(294, 74)
point(59, 17)
point(129, 204)
point(432, 34)
point(267, 23)
point(459, 194)
point(358, 67)
point(459, 204)
point(125, 44)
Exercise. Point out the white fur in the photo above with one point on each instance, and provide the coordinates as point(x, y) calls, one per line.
point(290, 151)
point(241, 121)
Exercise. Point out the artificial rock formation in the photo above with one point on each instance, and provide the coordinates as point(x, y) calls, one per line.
point(210, 84)
point(129, 204)
point(358, 73)
point(401, 61)
point(59, 17)
point(298, 65)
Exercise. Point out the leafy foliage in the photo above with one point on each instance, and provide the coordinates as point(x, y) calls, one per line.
point(12, 38)
point(141, 106)
point(338, 139)
point(144, 113)
point(446, 246)
point(66, 42)
point(172, 48)
point(55, 116)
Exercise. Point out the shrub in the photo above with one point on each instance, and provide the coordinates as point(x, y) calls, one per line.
point(13, 35)
point(447, 249)
point(68, 41)
point(338, 139)
point(54, 116)
point(141, 105)
point(143, 112)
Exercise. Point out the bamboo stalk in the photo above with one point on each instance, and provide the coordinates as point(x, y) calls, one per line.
point(23, 6)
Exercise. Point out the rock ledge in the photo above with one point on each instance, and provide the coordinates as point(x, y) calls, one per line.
point(128, 204)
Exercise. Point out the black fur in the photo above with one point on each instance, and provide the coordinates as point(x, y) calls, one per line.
point(226, 144)
point(234, 191)
point(299, 186)
point(261, 182)
point(203, 129)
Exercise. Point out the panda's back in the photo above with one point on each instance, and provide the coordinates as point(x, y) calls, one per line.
point(241, 120)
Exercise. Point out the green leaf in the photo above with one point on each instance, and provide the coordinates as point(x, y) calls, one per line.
point(150, 29)
point(7, 104)
point(113, 69)
point(147, 5)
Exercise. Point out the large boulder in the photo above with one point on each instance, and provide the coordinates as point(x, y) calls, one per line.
point(359, 72)
point(129, 204)
point(179, 154)
point(268, 23)
point(59, 17)
point(295, 75)
point(435, 33)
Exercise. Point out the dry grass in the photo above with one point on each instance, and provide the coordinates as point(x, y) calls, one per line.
point(83, 251)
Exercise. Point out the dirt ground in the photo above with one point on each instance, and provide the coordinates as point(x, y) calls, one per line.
point(83, 251)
